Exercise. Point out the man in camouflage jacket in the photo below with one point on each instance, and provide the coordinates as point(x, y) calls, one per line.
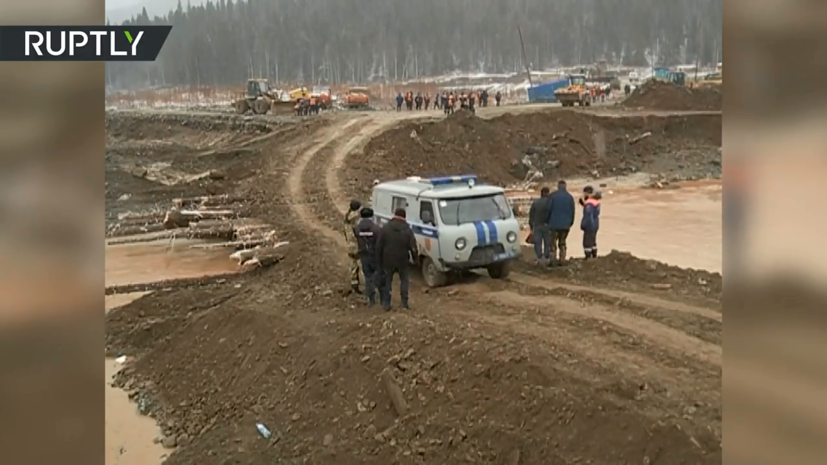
point(350, 220)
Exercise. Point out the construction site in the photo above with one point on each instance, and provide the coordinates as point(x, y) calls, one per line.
point(231, 327)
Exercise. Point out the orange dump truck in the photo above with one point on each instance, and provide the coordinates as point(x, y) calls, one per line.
point(357, 98)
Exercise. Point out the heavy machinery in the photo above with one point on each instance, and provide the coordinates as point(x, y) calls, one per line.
point(575, 92)
point(298, 93)
point(357, 98)
point(677, 77)
point(323, 98)
point(260, 99)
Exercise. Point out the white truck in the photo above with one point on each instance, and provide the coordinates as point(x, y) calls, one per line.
point(458, 223)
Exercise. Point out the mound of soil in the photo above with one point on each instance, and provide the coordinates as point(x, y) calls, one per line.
point(623, 267)
point(560, 144)
point(211, 363)
point(659, 95)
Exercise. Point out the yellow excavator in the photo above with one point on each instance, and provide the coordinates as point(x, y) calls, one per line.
point(261, 99)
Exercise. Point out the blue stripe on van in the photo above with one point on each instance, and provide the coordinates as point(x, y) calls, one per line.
point(480, 232)
point(492, 232)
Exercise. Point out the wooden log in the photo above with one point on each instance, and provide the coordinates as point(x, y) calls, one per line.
point(152, 217)
point(251, 229)
point(150, 237)
point(207, 200)
point(120, 231)
point(640, 138)
point(210, 233)
point(260, 262)
point(208, 214)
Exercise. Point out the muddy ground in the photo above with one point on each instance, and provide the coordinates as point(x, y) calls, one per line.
point(657, 95)
point(154, 157)
point(560, 144)
point(589, 365)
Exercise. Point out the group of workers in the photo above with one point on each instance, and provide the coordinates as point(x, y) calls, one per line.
point(380, 253)
point(600, 93)
point(551, 217)
point(308, 106)
point(447, 101)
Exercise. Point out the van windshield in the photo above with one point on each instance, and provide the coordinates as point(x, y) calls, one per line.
point(469, 209)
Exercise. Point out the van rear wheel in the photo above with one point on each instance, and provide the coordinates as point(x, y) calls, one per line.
point(432, 276)
point(499, 270)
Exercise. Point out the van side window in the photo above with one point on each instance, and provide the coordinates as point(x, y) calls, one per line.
point(426, 207)
point(399, 202)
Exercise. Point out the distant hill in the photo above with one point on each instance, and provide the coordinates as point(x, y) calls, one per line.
point(118, 11)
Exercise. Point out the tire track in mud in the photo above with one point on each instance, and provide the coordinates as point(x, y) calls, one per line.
point(295, 178)
point(671, 336)
point(660, 334)
point(596, 352)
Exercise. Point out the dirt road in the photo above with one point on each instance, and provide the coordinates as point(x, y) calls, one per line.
point(530, 370)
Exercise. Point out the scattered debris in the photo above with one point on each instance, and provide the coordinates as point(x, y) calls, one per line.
point(639, 138)
point(263, 431)
point(395, 393)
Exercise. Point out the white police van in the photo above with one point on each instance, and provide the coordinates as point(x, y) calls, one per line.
point(458, 223)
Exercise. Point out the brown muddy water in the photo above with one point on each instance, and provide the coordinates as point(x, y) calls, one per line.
point(679, 226)
point(156, 261)
point(130, 437)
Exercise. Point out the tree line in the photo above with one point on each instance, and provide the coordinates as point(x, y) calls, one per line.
point(360, 41)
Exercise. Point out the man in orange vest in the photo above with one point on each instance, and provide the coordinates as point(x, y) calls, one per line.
point(314, 106)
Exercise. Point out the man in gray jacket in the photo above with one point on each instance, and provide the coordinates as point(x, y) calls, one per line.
point(538, 216)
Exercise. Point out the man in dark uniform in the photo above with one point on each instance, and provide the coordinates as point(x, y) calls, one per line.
point(561, 218)
point(538, 216)
point(350, 219)
point(396, 250)
point(367, 234)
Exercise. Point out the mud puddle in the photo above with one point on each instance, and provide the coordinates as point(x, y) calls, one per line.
point(155, 261)
point(679, 226)
point(130, 437)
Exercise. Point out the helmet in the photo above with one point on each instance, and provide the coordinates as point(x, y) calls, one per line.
point(355, 205)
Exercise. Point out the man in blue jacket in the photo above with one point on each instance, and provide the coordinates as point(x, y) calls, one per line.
point(560, 220)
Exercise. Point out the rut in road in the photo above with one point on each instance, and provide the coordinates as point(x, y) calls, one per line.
point(294, 183)
point(657, 333)
point(673, 338)
point(559, 323)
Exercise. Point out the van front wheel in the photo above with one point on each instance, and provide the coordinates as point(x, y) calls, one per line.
point(432, 276)
point(499, 270)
